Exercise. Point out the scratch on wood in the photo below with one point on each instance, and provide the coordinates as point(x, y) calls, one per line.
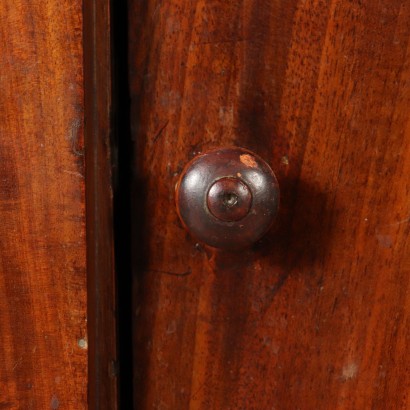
point(228, 41)
point(198, 391)
point(165, 272)
point(403, 221)
point(275, 288)
point(75, 136)
point(159, 132)
point(156, 11)
point(18, 362)
point(77, 174)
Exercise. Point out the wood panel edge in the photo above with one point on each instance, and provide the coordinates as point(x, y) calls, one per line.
point(101, 285)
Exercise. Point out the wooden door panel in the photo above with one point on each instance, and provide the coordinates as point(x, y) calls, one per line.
point(316, 316)
point(43, 342)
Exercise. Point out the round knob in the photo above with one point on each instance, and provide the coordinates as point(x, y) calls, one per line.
point(227, 198)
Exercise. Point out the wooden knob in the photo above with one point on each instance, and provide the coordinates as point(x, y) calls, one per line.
point(227, 198)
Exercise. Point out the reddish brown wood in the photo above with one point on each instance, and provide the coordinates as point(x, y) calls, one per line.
point(318, 316)
point(102, 309)
point(43, 343)
point(227, 198)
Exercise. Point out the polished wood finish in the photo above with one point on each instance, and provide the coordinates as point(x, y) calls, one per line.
point(227, 198)
point(100, 127)
point(317, 316)
point(43, 320)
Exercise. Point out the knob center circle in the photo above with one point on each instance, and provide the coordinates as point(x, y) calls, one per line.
point(229, 199)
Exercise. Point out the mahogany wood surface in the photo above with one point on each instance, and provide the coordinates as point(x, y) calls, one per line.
point(316, 316)
point(43, 336)
point(103, 357)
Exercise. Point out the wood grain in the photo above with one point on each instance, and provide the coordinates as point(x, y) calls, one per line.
point(43, 343)
point(317, 315)
point(102, 309)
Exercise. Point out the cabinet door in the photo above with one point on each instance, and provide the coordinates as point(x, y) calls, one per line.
point(57, 295)
point(315, 315)
point(43, 318)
